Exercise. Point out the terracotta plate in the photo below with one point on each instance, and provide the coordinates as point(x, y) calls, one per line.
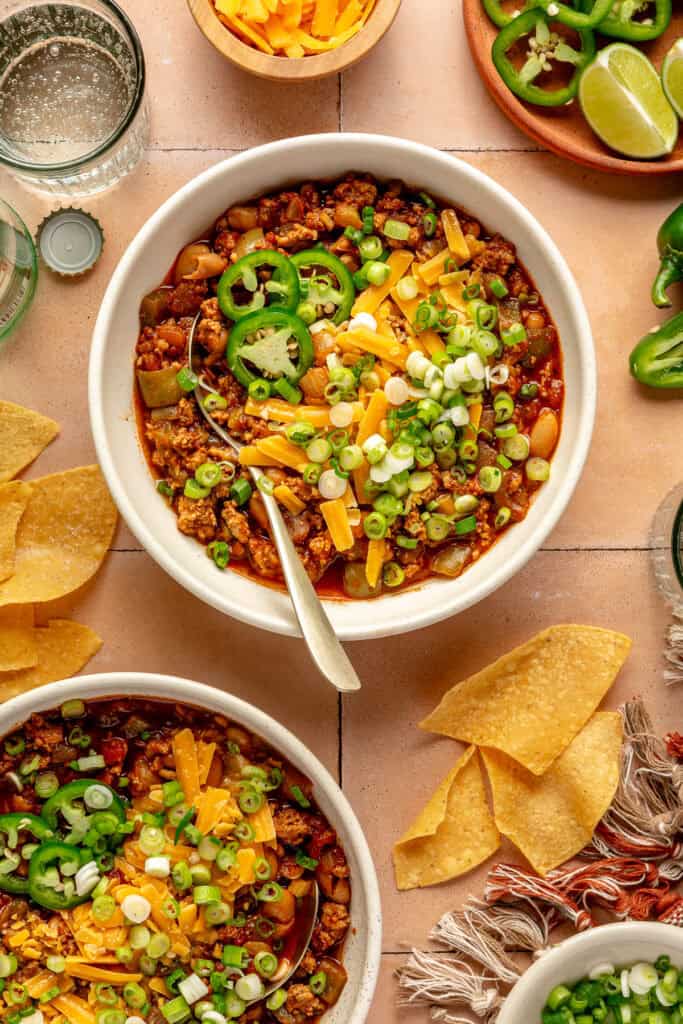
point(564, 129)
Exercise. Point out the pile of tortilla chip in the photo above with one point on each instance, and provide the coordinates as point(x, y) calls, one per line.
point(54, 534)
point(552, 759)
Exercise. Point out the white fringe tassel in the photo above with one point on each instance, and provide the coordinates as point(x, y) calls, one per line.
point(674, 651)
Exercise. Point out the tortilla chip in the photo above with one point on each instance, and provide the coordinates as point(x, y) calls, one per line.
point(63, 536)
point(64, 647)
point(18, 648)
point(532, 702)
point(453, 833)
point(13, 501)
point(551, 818)
point(23, 435)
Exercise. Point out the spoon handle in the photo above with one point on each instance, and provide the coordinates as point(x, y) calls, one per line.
point(326, 650)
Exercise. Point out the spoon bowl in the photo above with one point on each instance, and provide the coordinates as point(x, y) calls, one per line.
point(305, 923)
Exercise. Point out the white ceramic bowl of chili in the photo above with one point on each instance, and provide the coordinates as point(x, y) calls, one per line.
point(622, 945)
point(184, 217)
point(362, 948)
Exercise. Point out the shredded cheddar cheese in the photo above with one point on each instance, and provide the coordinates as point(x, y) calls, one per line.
point(294, 28)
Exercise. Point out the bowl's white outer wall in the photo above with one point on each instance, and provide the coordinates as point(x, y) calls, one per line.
point(363, 945)
point(620, 944)
point(184, 217)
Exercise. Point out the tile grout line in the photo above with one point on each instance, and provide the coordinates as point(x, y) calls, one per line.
point(558, 551)
point(244, 149)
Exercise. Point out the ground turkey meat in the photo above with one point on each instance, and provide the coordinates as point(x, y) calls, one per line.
point(498, 256)
point(187, 297)
point(331, 928)
point(292, 826)
point(236, 522)
point(301, 1002)
point(196, 518)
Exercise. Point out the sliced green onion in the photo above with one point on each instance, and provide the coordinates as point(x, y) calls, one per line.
point(46, 785)
point(407, 289)
point(250, 800)
point(300, 797)
point(241, 492)
point(243, 831)
point(502, 517)
point(271, 892)
point(517, 447)
point(91, 763)
point(15, 745)
point(227, 857)
point(266, 964)
point(8, 965)
point(396, 229)
point(287, 391)
point(466, 525)
point(219, 551)
point(529, 391)
point(176, 1011)
point(319, 451)
point(490, 479)
point(56, 964)
point(259, 389)
point(429, 223)
point(134, 995)
point(158, 945)
point(208, 474)
point(277, 1000)
point(194, 491)
point(181, 875)
point(318, 983)
point(370, 248)
point(152, 840)
point(186, 379)
point(513, 335)
point(139, 936)
point(208, 847)
point(300, 433)
point(216, 913)
point(393, 575)
point(378, 273)
point(375, 526)
point(103, 908)
point(537, 469)
point(498, 288)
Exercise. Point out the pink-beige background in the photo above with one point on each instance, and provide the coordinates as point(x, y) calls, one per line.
point(418, 83)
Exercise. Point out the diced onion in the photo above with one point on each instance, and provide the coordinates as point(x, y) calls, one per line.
point(136, 908)
point(332, 486)
point(396, 390)
point(249, 988)
point(192, 989)
point(158, 867)
point(341, 414)
point(363, 320)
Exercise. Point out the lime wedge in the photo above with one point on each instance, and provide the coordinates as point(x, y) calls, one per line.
point(672, 76)
point(623, 101)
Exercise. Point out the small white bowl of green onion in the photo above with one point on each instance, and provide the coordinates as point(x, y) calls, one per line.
point(627, 973)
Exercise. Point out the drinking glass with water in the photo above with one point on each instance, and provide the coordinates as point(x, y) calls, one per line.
point(18, 269)
point(73, 117)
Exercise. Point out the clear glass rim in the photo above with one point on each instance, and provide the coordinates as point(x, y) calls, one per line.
point(30, 294)
point(82, 161)
point(676, 540)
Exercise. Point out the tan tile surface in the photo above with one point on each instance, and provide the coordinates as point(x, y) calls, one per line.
point(203, 109)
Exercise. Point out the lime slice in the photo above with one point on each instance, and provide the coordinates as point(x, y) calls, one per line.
point(672, 76)
point(623, 101)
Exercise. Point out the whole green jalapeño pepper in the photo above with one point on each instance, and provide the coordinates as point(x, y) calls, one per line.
point(51, 876)
point(280, 291)
point(320, 289)
point(19, 836)
point(67, 810)
point(657, 359)
point(670, 245)
point(622, 22)
point(544, 46)
point(274, 342)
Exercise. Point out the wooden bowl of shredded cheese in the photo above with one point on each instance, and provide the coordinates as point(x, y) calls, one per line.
point(294, 40)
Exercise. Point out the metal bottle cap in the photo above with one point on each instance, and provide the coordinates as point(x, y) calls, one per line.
point(70, 241)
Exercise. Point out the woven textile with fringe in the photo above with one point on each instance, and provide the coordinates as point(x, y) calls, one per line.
point(629, 871)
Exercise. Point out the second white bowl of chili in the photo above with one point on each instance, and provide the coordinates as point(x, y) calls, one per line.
point(489, 211)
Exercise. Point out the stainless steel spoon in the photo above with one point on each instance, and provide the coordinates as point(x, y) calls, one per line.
point(307, 912)
point(325, 649)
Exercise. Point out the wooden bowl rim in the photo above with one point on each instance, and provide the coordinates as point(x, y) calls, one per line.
point(295, 69)
point(527, 120)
